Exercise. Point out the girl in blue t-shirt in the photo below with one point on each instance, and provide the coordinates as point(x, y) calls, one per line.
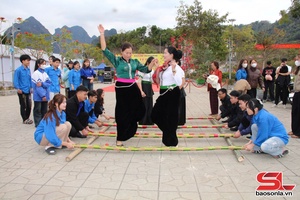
point(53, 131)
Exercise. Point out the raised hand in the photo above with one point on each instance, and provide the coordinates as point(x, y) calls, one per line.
point(101, 28)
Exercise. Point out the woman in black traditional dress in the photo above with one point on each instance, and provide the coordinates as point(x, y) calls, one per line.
point(145, 84)
point(165, 111)
point(129, 104)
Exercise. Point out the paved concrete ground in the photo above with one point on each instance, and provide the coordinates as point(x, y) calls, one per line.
point(27, 172)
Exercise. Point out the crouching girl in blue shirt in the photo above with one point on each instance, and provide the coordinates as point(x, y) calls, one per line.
point(53, 130)
point(268, 133)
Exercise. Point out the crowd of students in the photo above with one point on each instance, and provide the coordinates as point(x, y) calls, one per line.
point(58, 117)
point(245, 114)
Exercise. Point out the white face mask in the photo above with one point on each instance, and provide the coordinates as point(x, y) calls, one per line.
point(297, 63)
point(254, 65)
point(43, 66)
point(244, 65)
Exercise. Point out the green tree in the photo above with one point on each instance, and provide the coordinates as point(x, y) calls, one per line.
point(36, 44)
point(243, 41)
point(293, 11)
point(204, 29)
point(267, 40)
point(64, 42)
point(146, 48)
point(295, 8)
point(94, 52)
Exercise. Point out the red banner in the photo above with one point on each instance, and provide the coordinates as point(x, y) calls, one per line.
point(279, 46)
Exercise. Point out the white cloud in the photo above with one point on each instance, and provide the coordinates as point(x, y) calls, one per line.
point(127, 15)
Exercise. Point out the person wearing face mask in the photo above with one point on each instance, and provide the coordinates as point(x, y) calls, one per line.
point(41, 93)
point(295, 133)
point(241, 73)
point(254, 78)
point(129, 103)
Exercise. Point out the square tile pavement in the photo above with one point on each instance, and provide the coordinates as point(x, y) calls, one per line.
point(27, 172)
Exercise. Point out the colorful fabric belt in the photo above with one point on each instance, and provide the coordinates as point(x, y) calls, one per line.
point(167, 86)
point(146, 82)
point(126, 80)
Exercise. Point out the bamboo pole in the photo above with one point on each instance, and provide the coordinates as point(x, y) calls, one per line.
point(193, 118)
point(159, 135)
point(188, 118)
point(116, 148)
point(76, 152)
point(185, 126)
point(237, 153)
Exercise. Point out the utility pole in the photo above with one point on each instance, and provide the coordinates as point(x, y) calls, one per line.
point(12, 48)
point(160, 42)
point(2, 19)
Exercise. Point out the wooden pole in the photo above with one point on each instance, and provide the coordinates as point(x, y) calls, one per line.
point(185, 126)
point(76, 152)
point(159, 135)
point(116, 148)
point(237, 153)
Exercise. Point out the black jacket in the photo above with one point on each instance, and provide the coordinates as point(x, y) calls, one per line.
point(225, 107)
point(98, 109)
point(72, 110)
point(236, 116)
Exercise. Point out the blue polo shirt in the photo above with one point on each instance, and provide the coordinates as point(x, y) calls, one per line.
point(87, 72)
point(74, 78)
point(88, 107)
point(54, 75)
point(22, 79)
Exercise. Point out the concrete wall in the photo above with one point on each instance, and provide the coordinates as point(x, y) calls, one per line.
point(6, 63)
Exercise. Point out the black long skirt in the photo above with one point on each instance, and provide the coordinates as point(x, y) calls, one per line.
point(148, 102)
point(182, 108)
point(129, 109)
point(165, 115)
point(296, 114)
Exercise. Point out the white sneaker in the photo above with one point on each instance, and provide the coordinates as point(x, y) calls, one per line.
point(274, 106)
point(284, 106)
point(280, 102)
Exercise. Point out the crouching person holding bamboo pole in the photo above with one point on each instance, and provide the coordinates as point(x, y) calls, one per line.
point(268, 133)
point(53, 130)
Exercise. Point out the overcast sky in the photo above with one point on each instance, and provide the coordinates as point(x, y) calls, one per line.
point(125, 15)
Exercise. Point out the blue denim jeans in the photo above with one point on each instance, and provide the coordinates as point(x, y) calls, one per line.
point(273, 146)
point(87, 83)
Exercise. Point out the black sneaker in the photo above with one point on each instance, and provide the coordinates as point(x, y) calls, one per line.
point(79, 135)
point(234, 128)
point(50, 151)
point(259, 151)
point(285, 152)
